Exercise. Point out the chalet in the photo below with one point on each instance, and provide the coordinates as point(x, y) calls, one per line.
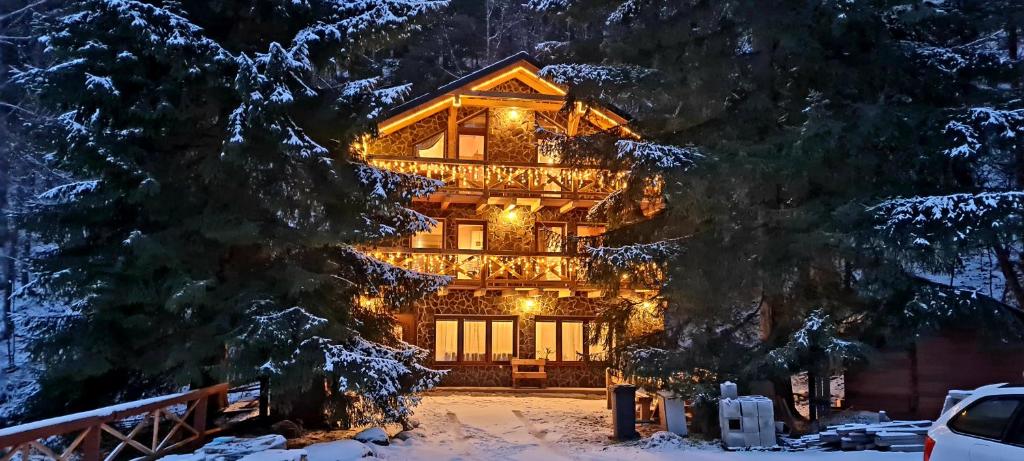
point(508, 217)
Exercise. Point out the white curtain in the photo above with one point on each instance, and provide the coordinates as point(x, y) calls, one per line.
point(598, 351)
point(545, 340)
point(446, 339)
point(474, 340)
point(572, 341)
point(501, 340)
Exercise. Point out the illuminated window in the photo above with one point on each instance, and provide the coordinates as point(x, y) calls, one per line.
point(572, 341)
point(434, 238)
point(547, 151)
point(432, 147)
point(471, 236)
point(474, 334)
point(547, 345)
point(446, 340)
point(589, 235)
point(399, 332)
point(474, 340)
point(564, 340)
point(597, 350)
point(472, 137)
point(550, 237)
point(502, 337)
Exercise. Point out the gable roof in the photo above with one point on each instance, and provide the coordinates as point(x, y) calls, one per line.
point(520, 66)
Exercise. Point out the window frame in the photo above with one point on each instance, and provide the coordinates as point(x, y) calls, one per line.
point(588, 322)
point(538, 124)
point(537, 228)
point(1015, 419)
point(489, 340)
point(472, 222)
point(440, 222)
point(576, 233)
point(460, 130)
point(444, 146)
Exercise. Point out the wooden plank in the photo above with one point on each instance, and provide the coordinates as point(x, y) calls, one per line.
point(569, 206)
point(479, 292)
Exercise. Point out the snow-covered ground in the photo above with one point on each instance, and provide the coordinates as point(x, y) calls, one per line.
point(535, 427)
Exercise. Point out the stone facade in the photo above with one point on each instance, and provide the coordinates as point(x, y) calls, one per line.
point(462, 302)
point(510, 139)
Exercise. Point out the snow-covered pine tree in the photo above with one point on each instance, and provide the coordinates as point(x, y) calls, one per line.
point(209, 232)
point(973, 215)
point(804, 112)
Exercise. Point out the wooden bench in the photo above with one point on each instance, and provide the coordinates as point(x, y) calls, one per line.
point(539, 375)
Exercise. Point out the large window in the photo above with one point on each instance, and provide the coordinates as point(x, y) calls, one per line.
point(473, 137)
point(433, 238)
point(986, 418)
point(475, 339)
point(432, 147)
point(564, 340)
point(547, 149)
point(471, 235)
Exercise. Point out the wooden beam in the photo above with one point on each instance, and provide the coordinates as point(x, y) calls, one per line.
point(453, 131)
point(443, 291)
point(569, 206)
point(508, 292)
point(481, 206)
point(516, 96)
point(574, 118)
point(479, 292)
point(445, 202)
point(533, 203)
point(564, 293)
point(595, 293)
point(479, 101)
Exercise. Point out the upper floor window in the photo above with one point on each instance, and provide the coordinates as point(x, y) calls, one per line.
point(471, 236)
point(589, 235)
point(550, 237)
point(432, 147)
point(473, 137)
point(433, 238)
point(547, 151)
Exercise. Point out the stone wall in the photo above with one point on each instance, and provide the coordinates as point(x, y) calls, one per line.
point(462, 302)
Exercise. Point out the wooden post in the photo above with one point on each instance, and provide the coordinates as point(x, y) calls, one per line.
point(199, 415)
point(264, 396)
point(91, 444)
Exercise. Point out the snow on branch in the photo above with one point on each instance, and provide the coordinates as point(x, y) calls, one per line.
point(68, 193)
point(647, 158)
point(973, 131)
point(579, 74)
point(921, 222)
point(816, 341)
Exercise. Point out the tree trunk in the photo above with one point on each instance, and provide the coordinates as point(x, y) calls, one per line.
point(1012, 39)
point(1009, 273)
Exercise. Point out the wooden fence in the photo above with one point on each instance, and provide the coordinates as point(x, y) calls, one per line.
point(167, 422)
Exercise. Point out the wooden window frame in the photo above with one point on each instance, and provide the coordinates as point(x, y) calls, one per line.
point(588, 321)
point(576, 232)
point(444, 152)
point(444, 228)
point(536, 236)
point(538, 115)
point(459, 130)
point(473, 222)
point(488, 340)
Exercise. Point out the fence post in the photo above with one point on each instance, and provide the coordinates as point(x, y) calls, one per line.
point(199, 415)
point(264, 396)
point(91, 444)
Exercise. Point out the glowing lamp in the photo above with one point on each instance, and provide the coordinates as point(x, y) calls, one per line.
point(527, 305)
point(513, 114)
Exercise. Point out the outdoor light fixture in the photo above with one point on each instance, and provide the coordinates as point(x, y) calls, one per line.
point(527, 305)
point(510, 214)
point(513, 114)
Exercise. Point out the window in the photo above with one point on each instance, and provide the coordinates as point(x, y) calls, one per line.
point(472, 137)
point(547, 151)
point(572, 341)
point(501, 340)
point(598, 351)
point(471, 236)
point(433, 238)
point(432, 147)
point(550, 237)
point(546, 340)
point(446, 339)
point(564, 340)
point(475, 339)
point(986, 418)
point(589, 235)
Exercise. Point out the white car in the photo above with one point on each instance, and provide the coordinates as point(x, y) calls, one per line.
point(987, 425)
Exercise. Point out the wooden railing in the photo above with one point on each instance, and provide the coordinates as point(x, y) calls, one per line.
point(509, 179)
point(474, 269)
point(168, 422)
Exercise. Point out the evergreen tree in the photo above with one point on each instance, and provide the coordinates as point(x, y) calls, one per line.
point(804, 113)
point(210, 233)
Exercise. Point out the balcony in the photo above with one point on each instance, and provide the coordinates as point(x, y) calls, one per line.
point(475, 182)
point(476, 270)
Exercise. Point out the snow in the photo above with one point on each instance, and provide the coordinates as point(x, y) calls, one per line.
point(338, 450)
point(542, 427)
point(100, 412)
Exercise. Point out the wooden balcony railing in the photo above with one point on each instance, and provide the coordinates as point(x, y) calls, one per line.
point(507, 179)
point(485, 270)
point(151, 427)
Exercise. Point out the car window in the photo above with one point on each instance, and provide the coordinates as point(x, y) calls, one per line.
point(1016, 434)
point(986, 418)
